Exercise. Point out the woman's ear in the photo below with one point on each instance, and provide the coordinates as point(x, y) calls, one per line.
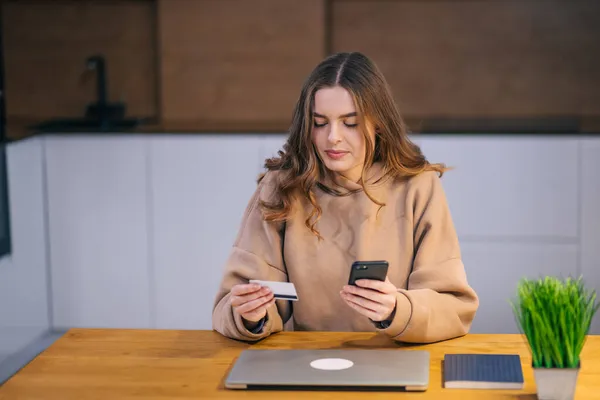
point(376, 131)
point(370, 126)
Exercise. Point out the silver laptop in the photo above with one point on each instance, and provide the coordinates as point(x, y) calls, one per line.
point(344, 369)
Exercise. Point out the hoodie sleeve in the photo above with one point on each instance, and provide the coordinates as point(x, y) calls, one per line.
point(438, 303)
point(256, 254)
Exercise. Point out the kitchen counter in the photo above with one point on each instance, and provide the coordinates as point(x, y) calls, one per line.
point(18, 129)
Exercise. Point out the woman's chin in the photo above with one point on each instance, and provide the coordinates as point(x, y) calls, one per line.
point(337, 166)
point(338, 169)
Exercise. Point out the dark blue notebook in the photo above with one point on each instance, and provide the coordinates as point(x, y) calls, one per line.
point(483, 371)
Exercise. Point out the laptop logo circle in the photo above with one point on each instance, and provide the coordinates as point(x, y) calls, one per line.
point(331, 364)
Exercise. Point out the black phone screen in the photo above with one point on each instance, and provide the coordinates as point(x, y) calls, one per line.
point(375, 270)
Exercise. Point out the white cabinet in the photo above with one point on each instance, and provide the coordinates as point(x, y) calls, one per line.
point(24, 295)
point(515, 187)
point(200, 187)
point(98, 233)
point(515, 202)
point(494, 270)
point(141, 226)
point(590, 217)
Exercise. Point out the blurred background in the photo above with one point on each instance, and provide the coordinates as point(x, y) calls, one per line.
point(133, 132)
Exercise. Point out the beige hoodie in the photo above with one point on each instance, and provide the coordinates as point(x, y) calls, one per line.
point(414, 232)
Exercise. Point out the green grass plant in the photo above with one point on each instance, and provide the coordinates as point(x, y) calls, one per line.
point(555, 316)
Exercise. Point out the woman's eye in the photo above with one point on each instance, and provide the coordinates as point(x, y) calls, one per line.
point(322, 124)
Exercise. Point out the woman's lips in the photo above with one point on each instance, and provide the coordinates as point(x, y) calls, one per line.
point(336, 154)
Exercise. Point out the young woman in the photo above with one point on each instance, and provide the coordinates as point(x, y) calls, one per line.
point(348, 185)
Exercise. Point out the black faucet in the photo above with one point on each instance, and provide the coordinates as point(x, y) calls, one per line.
point(100, 115)
point(97, 63)
point(102, 110)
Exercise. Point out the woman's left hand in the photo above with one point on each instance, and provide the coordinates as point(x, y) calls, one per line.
point(373, 299)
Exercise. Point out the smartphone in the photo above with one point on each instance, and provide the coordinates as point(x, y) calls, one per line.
point(376, 270)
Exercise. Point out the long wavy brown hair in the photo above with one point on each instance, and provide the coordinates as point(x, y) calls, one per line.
point(300, 167)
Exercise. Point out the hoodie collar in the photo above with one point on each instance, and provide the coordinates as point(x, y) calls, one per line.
point(340, 185)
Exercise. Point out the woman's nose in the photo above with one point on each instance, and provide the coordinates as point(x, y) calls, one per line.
point(335, 135)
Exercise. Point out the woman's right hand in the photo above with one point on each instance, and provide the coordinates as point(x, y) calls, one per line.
point(251, 301)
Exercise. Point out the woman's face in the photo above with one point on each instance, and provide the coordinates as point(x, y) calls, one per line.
point(336, 132)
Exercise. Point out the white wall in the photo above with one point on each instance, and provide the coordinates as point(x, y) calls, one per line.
point(140, 226)
point(24, 313)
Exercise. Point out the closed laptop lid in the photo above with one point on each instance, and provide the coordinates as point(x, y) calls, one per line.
point(340, 368)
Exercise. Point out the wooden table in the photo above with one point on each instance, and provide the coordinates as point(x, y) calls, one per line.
point(161, 364)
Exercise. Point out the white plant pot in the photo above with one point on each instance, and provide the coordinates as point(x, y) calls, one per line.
point(556, 383)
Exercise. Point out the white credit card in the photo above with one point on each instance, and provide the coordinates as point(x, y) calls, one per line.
point(281, 290)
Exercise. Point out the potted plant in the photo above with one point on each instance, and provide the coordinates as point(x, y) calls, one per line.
point(555, 316)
